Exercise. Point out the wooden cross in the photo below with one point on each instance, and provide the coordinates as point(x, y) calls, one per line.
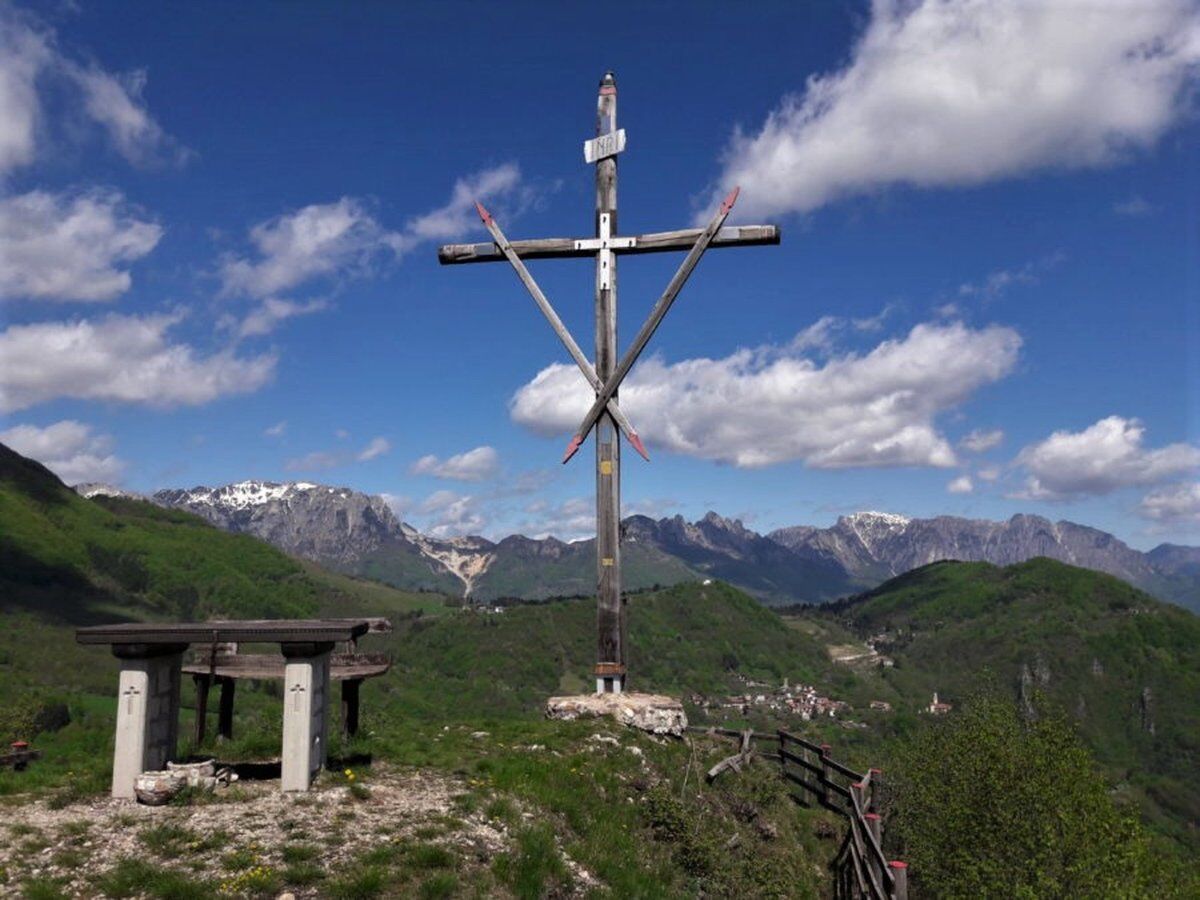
point(606, 376)
point(130, 693)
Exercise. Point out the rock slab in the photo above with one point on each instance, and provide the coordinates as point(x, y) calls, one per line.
point(654, 713)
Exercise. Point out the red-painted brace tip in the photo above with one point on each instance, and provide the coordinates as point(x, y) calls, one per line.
point(896, 864)
point(576, 443)
point(638, 446)
point(730, 199)
point(484, 215)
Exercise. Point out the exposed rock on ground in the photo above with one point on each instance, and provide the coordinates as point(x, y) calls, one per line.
point(655, 713)
point(253, 840)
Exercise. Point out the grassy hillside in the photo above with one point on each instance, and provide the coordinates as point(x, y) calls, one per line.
point(689, 637)
point(1125, 666)
point(83, 561)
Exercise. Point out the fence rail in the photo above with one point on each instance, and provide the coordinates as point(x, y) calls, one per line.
point(860, 868)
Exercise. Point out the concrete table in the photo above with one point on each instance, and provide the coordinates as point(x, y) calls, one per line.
point(151, 656)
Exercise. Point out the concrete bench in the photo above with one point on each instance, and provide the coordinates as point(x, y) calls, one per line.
point(222, 664)
point(151, 657)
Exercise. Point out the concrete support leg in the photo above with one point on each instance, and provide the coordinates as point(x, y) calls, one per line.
point(350, 707)
point(147, 711)
point(203, 683)
point(225, 710)
point(305, 713)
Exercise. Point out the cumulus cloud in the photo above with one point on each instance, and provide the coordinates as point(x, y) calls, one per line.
point(1176, 504)
point(344, 238)
point(33, 69)
point(451, 514)
point(996, 283)
point(961, 485)
point(375, 449)
point(457, 217)
point(268, 315)
point(64, 247)
point(979, 440)
point(69, 449)
point(319, 239)
point(479, 464)
point(758, 407)
point(128, 359)
point(571, 520)
point(328, 459)
point(945, 93)
point(1134, 206)
point(1103, 458)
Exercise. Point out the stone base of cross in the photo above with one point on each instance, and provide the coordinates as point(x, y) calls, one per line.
point(608, 372)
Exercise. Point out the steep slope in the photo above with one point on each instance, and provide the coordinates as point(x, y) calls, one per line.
point(726, 549)
point(335, 527)
point(1125, 665)
point(78, 560)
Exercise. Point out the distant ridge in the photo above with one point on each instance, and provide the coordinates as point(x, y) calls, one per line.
point(359, 534)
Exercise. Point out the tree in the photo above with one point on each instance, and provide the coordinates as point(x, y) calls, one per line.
point(990, 805)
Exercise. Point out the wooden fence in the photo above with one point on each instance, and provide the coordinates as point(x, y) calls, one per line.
point(860, 868)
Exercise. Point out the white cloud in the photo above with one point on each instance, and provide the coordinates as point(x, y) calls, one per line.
point(61, 247)
point(1173, 504)
point(376, 448)
point(268, 315)
point(128, 359)
point(327, 459)
point(276, 430)
point(458, 216)
point(320, 239)
point(115, 102)
point(1134, 206)
point(969, 91)
point(961, 485)
point(344, 238)
point(479, 464)
point(995, 284)
point(1103, 458)
point(32, 67)
point(69, 449)
point(572, 520)
point(451, 514)
point(979, 441)
point(990, 473)
point(771, 405)
point(318, 459)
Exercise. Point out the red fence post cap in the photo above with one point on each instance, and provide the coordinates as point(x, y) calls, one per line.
point(871, 816)
point(896, 864)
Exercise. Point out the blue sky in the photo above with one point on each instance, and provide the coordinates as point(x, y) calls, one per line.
point(219, 222)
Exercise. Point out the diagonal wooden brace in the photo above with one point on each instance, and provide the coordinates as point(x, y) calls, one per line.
point(604, 394)
point(560, 329)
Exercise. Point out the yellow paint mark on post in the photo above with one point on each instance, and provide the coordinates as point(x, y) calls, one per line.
point(606, 467)
point(607, 561)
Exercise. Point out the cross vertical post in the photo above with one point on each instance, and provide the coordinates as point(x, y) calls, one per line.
point(610, 604)
point(606, 415)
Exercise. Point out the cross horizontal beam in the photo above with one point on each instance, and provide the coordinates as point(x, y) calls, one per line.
point(584, 248)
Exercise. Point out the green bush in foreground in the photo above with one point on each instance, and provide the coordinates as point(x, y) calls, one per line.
point(989, 805)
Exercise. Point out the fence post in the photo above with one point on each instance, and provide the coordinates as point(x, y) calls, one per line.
point(825, 748)
point(859, 790)
point(876, 785)
point(875, 827)
point(899, 879)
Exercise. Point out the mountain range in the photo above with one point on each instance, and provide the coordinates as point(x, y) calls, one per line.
point(360, 535)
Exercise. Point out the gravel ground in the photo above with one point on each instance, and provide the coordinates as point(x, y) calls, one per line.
point(247, 827)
